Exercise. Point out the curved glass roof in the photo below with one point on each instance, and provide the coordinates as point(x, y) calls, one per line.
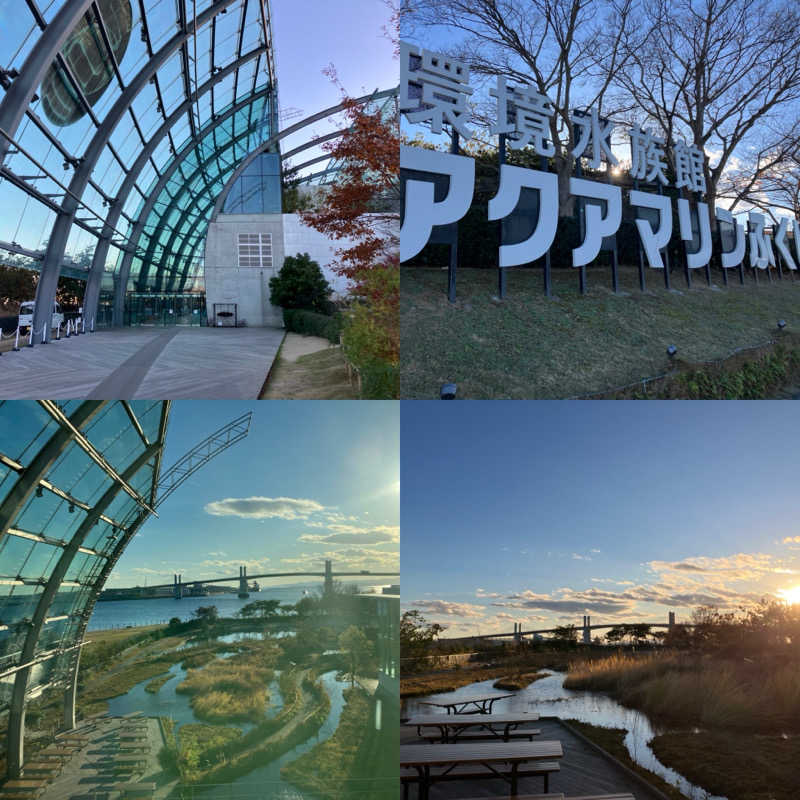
point(77, 480)
point(118, 120)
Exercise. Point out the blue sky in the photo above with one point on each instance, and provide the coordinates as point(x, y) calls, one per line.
point(348, 34)
point(313, 480)
point(539, 512)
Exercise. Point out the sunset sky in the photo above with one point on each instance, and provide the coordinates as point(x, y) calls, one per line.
point(540, 512)
point(313, 480)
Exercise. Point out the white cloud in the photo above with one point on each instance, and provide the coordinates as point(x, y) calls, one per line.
point(353, 534)
point(445, 608)
point(263, 507)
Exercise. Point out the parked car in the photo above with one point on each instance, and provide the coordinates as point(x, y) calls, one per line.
point(25, 318)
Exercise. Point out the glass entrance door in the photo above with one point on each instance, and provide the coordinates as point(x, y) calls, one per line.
point(165, 309)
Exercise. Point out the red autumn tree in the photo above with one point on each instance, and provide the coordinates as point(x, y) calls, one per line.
point(362, 206)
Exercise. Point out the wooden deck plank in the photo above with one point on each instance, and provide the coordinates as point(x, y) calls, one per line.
point(584, 772)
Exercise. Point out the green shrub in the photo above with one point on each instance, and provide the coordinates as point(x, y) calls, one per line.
point(300, 284)
point(366, 343)
point(379, 380)
point(313, 324)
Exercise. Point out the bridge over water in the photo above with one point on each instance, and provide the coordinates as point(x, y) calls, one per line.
point(179, 585)
point(586, 629)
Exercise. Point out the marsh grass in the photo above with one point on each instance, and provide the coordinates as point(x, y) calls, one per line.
point(326, 768)
point(514, 683)
point(268, 740)
point(699, 690)
point(157, 682)
point(227, 690)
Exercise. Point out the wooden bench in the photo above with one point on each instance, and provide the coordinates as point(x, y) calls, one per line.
point(143, 789)
point(484, 735)
point(469, 772)
point(51, 767)
point(558, 797)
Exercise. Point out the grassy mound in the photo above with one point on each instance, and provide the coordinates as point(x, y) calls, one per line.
point(531, 347)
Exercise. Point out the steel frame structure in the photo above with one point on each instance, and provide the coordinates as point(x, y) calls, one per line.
point(68, 202)
point(168, 227)
point(72, 445)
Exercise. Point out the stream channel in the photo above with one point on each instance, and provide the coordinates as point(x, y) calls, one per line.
point(261, 782)
point(548, 698)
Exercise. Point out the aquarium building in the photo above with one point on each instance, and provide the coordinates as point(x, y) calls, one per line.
point(123, 127)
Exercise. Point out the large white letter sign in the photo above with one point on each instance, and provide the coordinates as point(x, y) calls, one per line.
point(597, 225)
point(512, 181)
point(760, 253)
point(703, 255)
point(654, 240)
point(734, 257)
point(421, 211)
point(796, 236)
point(780, 243)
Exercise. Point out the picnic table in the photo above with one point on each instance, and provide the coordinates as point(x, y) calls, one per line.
point(45, 767)
point(124, 761)
point(56, 751)
point(494, 756)
point(28, 787)
point(144, 789)
point(451, 726)
point(461, 705)
point(128, 749)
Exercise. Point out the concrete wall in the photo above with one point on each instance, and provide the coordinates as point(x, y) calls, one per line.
point(226, 282)
point(299, 238)
point(248, 287)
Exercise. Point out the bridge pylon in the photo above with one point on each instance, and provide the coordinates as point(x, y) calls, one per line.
point(177, 586)
point(587, 629)
point(328, 578)
point(244, 589)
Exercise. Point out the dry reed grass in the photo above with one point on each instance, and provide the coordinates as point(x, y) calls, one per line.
point(697, 690)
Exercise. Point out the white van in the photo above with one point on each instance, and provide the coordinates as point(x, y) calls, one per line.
point(26, 315)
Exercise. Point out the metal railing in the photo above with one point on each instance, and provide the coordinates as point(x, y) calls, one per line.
point(73, 327)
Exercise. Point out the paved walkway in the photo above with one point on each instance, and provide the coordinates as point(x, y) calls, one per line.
point(163, 363)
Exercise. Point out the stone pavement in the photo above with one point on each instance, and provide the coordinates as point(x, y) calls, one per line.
point(163, 363)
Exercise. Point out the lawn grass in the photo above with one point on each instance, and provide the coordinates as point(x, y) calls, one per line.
point(315, 376)
point(530, 347)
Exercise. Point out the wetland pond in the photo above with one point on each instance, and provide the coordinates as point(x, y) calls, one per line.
point(261, 782)
point(548, 698)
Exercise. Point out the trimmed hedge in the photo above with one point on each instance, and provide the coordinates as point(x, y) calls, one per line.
point(313, 324)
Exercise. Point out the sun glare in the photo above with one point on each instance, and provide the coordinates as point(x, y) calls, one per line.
point(791, 596)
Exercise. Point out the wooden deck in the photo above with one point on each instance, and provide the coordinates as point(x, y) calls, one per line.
point(584, 771)
point(123, 363)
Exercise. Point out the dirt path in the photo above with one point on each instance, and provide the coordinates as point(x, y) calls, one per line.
point(310, 368)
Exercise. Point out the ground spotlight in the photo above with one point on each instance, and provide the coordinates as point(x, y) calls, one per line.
point(781, 324)
point(448, 391)
point(39, 491)
point(671, 350)
point(71, 508)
